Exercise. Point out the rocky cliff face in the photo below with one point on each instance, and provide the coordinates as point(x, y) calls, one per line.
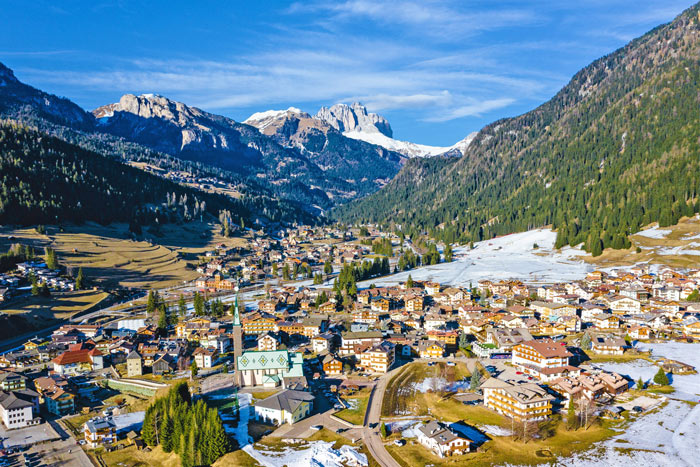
point(33, 105)
point(354, 117)
point(169, 126)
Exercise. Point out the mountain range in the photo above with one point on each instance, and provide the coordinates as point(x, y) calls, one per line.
point(277, 157)
point(615, 149)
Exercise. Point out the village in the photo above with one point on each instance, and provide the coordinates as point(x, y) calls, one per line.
point(284, 343)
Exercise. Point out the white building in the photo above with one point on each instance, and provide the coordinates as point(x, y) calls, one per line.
point(288, 406)
point(17, 411)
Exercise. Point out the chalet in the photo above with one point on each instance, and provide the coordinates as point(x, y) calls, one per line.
point(608, 345)
point(442, 440)
point(349, 341)
point(519, 401)
point(624, 305)
point(606, 321)
point(431, 349)
point(640, 332)
point(268, 341)
point(100, 432)
point(544, 359)
point(332, 366)
point(322, 342)
point(205, 358)
point(10, 381)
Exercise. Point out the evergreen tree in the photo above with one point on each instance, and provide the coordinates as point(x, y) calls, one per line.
point(182, 306)
point(198, 304)
point(285, 272)
point(79, 281)
point(660, 377)
point(328, 268)
point(193, 370)
point(50, 257)
point(586, 342)
point(383, 430)
point(409, 282)
point(475, 379)
point(448, 253)
point(571, 418)
point(640, 383)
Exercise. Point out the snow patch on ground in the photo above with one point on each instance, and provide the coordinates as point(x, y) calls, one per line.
point(667, 436)
point(692, 237)
point(440, 384)
point(495, 430)
point(508, 257)
point(315, 454)
point(678, 250)
point(238, 430)
point(653, 232)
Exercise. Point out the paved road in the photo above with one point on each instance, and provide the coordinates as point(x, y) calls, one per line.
point(374, 410)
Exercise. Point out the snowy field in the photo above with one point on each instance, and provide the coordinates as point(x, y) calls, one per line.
point(654, 232)
point(440, 384)
point(508, 257)
point(314, 454)
point(668, 436)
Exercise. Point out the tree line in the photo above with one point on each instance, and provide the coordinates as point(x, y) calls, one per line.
point(190, 429)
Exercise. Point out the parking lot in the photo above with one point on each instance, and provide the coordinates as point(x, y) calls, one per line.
point(27, 436)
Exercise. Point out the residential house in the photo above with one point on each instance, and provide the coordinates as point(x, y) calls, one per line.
point(79, 358)
point(431, 349)
point(100, 431)
point(332, 366)
point(205, 358)
point(134, 364)
point(608, 345)
point(442, 440)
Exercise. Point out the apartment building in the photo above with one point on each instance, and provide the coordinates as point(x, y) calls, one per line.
point(378, 358)
point(519, 401)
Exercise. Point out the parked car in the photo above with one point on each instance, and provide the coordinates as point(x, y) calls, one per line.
point(400, 442)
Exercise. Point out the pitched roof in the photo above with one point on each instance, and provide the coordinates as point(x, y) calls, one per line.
point(288, 400)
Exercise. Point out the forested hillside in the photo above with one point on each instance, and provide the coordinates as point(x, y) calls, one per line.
point(46, 180)
point(615, 149)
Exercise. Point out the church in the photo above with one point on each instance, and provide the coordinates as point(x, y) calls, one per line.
point(268, 368)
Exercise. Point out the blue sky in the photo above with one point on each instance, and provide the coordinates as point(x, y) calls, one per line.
point(437, 69)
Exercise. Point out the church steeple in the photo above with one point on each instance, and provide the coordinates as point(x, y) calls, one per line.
point(236, 315)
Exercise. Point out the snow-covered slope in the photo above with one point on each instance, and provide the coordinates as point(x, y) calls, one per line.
point(355, 122)
point(410, 149)
point(262, 120)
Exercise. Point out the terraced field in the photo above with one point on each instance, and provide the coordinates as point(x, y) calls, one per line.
point(110, 256)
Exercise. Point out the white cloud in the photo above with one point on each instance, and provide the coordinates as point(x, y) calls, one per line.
point(472, 109)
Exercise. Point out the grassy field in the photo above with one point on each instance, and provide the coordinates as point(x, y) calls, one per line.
point(59, 306)
point(651, 248)
point(356, 415)
point(132, 457)
point(628, 356)
point(109, 255)
point(401, 399)
point(506, 450)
